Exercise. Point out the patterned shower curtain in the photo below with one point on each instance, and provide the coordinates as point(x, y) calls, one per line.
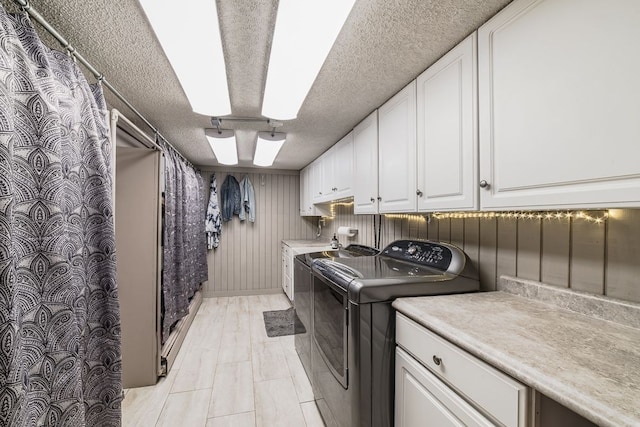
point(184, 263)
point(59, 317)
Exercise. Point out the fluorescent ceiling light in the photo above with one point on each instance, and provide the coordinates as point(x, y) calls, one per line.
point(268, 147)
point(223, 145)
point(190, 37)
point(304, 34)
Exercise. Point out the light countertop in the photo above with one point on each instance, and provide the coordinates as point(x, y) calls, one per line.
point(581, 350)
point(306, 243)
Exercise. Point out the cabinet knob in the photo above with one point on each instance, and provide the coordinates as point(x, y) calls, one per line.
point(373, 200)
point(437, 360)
point(379, 198)
point(419, 193)
point(484, 184)
point(334, 189)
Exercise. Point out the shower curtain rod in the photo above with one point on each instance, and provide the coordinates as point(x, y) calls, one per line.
point(27, 8)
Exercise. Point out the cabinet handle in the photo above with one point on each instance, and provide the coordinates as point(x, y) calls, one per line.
point(373, 200)
point(334, 189)
point(419, 193)
point(437, 360)
point(379, 198)
point(484, 184)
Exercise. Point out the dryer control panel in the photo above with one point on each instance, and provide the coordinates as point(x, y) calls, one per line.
point(429, 254)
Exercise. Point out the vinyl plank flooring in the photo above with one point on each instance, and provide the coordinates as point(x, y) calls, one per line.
point(236, 322)
point(197, 372)
point(311, 414)
point(258, 331)
point(277, 404)
point(269, 361)
point(234, 347)
point(184, 349)
point(205, 333)
point(142, 406)
point(232, 390)
point(270, 373)
point(246, 419)
point(185, 409)
point(298, 375)
point(278, 301)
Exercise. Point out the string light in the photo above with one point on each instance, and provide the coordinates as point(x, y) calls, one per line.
point(597, 217)
point(332, 207)
point(527, 215)
point(406, 216)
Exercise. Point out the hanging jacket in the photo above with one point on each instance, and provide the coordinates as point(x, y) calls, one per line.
point(213, 223)
point(248, 199)
point(230, 196)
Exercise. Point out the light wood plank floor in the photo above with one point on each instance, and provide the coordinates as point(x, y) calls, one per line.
point(229, 373)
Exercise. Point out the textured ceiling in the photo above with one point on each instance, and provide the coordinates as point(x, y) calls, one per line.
point(383, 46)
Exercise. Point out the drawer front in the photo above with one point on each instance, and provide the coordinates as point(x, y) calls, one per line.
point(493, 392)
point(422, 397)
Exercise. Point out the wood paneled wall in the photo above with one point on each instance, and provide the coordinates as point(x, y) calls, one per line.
point(598, 258)
point(248, 260)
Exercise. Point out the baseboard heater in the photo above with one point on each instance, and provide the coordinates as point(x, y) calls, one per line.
point(173, 344)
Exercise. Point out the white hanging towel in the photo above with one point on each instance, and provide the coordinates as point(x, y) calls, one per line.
point(213, 221)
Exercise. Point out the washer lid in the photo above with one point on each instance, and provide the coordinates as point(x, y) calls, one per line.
point(404, 268)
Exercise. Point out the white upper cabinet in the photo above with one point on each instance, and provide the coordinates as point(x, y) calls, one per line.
point(328, 178)
point(336, 164)
point(559, 105)
point(306, 204)
point(328, 174)
point(447, 131)
point(397, 152)
point(315, 176)
point(365, 166)
point(343, 168)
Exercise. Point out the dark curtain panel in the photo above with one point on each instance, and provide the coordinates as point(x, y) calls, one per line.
point(59, 317)
point(184, 254)
point(203, 269)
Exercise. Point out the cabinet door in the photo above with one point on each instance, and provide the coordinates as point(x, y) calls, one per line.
point(343, 167)
point(285, 268)
point(316, 181)
point(397, 152)
point(306, 207)
point(365, 166)
point(424, 400)
point(447, 131)
point(559, 109)
point(328, 174)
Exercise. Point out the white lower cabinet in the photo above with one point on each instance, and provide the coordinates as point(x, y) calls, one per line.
point(439, 384)
point(288, 257)
point(287, 270)
point(423, 400)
